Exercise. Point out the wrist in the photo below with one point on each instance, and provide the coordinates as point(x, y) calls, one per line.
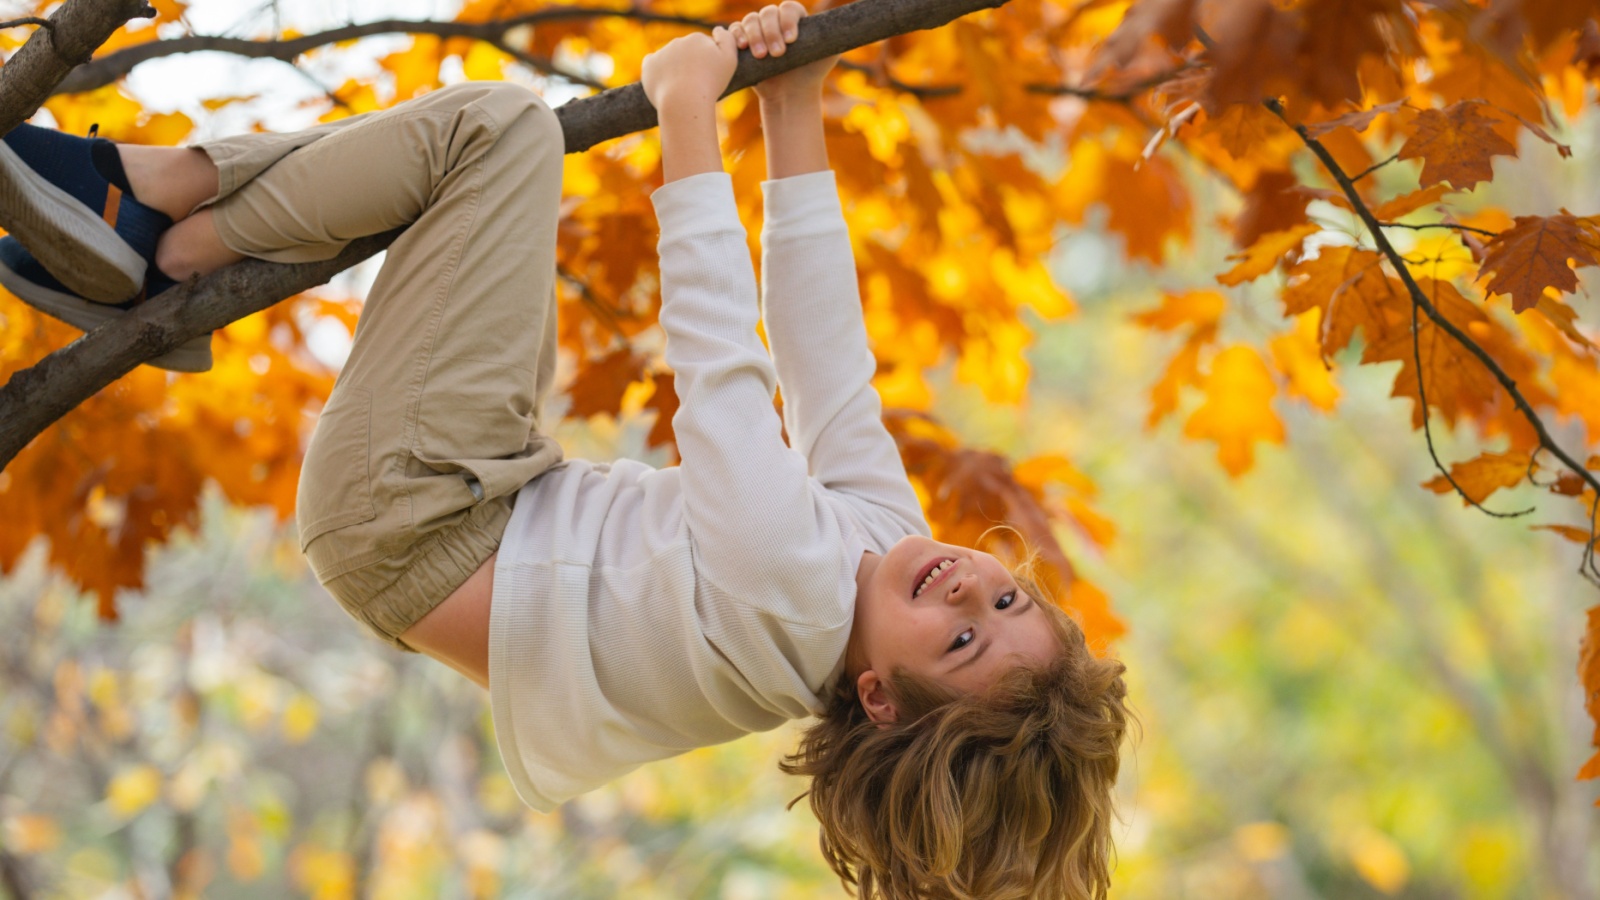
point(788, 96)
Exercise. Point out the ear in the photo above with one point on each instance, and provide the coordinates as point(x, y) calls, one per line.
point(874, 695)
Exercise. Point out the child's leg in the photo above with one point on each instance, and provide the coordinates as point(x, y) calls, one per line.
point(432, 425)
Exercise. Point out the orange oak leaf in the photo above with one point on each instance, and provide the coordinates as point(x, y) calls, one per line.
point(599, 385)
point(1483, 475)
point(1237, 413)
point(1358, 120)
point(665, 403)
point(1298, 355)
point(1199, 311)
point(1349, 285)
point(1271, 204)
point(1261, 257)
point(1409, 203)
point(1455, 145)
point(1533, 255)
point(1570, 532)
point(1564, 318)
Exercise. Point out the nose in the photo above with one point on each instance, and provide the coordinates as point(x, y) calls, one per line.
point(960, 590)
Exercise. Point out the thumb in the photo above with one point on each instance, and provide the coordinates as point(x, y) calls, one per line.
point(724, 39)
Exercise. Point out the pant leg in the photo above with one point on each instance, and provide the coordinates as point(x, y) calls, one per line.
point(433, 423)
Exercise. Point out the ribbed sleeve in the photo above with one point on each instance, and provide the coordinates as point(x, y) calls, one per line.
point(819, 346)
point(758, 531)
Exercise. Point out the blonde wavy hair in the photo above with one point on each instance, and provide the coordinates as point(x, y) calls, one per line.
point(1003, 795)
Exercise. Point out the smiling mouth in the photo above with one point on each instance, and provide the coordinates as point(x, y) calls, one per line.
point(933, 572)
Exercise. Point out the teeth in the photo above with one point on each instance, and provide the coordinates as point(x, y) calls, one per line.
point(933, 575)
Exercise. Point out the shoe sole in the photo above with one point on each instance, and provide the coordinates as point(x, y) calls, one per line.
point(193, 355)
point(69, 239)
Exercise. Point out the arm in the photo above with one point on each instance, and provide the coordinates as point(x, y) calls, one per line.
point(812, 300)
point(747, 497)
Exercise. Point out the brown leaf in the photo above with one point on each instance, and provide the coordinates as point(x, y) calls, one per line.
point(599, 385)
point(1455, 145)
point(1358, 120)
point(1532, 255)
point(1271, 204)
point(1409, 203)
point(1349, 285)
point(1262, 256)
point(1481, 476)
point(665, 403)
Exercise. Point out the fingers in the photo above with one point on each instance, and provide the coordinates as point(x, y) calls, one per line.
point(769, 31)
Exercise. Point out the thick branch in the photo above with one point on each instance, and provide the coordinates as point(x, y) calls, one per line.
point(37, 396)
point(75, 30)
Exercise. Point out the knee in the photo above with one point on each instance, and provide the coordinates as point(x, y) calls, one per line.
point(511, 105)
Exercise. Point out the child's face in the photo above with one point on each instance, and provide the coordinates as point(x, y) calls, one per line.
point(963, 629)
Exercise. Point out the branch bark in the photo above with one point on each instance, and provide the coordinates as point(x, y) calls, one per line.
point(37, 396)
point(75, 30)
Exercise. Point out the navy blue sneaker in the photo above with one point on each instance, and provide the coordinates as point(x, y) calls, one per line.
point(21, 274)
point(93, 236)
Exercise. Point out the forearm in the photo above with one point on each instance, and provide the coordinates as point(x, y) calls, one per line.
point(792, 123)
point(689, 144)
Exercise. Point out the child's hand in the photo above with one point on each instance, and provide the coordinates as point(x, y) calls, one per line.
point(694, 68)
point(768, 33)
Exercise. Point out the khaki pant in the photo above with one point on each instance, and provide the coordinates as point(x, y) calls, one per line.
point(433, 424)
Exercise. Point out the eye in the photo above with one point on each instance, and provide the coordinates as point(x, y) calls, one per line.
point(1006, 600)
point(962, 640)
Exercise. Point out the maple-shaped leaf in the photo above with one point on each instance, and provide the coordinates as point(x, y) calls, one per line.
point(599, 384)
point(1483, 475)
point(1533, 255)
point(1237, 413)
point(1199, 311)
point(1455, 381)
point(1455, 144)
point(1170, 20)
point(1350, 287)
point(1298, 355)
point(1259, 258)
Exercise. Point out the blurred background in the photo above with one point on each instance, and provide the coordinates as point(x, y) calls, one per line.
point(1347, 686)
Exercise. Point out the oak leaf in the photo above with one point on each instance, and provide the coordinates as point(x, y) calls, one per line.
point(1483, 475)
point(1261, 257)
point(1350, 287)
point(1455, 145)
point(1589, 678)
point(1237, 413)
point(1533, 255)
point(599, 384)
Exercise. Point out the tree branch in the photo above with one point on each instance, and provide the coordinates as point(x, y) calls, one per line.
point(103, 71)
point(75, 30)
point(37, 396)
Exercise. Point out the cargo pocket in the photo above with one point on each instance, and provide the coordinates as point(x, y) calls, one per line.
point(476, 419)
point(336, 480)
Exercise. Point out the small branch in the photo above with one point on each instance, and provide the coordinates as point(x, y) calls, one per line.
point(1420, 300)
point(1370, 169)
point(1122, 96)
point(29, 20)
point(1427, 427)
point(103, 71)
point(921, 91)
point(1452, 225)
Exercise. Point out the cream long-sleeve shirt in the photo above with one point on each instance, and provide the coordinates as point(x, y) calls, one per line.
point(640, 613)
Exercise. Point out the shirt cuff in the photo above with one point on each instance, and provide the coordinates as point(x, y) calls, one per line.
point(699, 204)
point(802, 204)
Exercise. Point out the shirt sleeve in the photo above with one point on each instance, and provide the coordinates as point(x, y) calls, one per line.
point(760, 531)
point(819, 345)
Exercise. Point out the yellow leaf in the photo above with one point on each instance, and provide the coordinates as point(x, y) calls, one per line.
point(1237, 412)
point(133, 789)
point(1298, 355)
point(484, 63)
point(1259, 258)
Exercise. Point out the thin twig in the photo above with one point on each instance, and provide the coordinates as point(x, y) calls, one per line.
point(1427, 426)
point(1421, 300)
point(1372, 168)
point(1122, 96)
point(29, 20)
point(1451, 225)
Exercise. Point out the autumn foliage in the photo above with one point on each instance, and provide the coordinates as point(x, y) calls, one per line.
point(1353, 140)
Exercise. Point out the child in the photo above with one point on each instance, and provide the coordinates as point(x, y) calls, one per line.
point(618, 614)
